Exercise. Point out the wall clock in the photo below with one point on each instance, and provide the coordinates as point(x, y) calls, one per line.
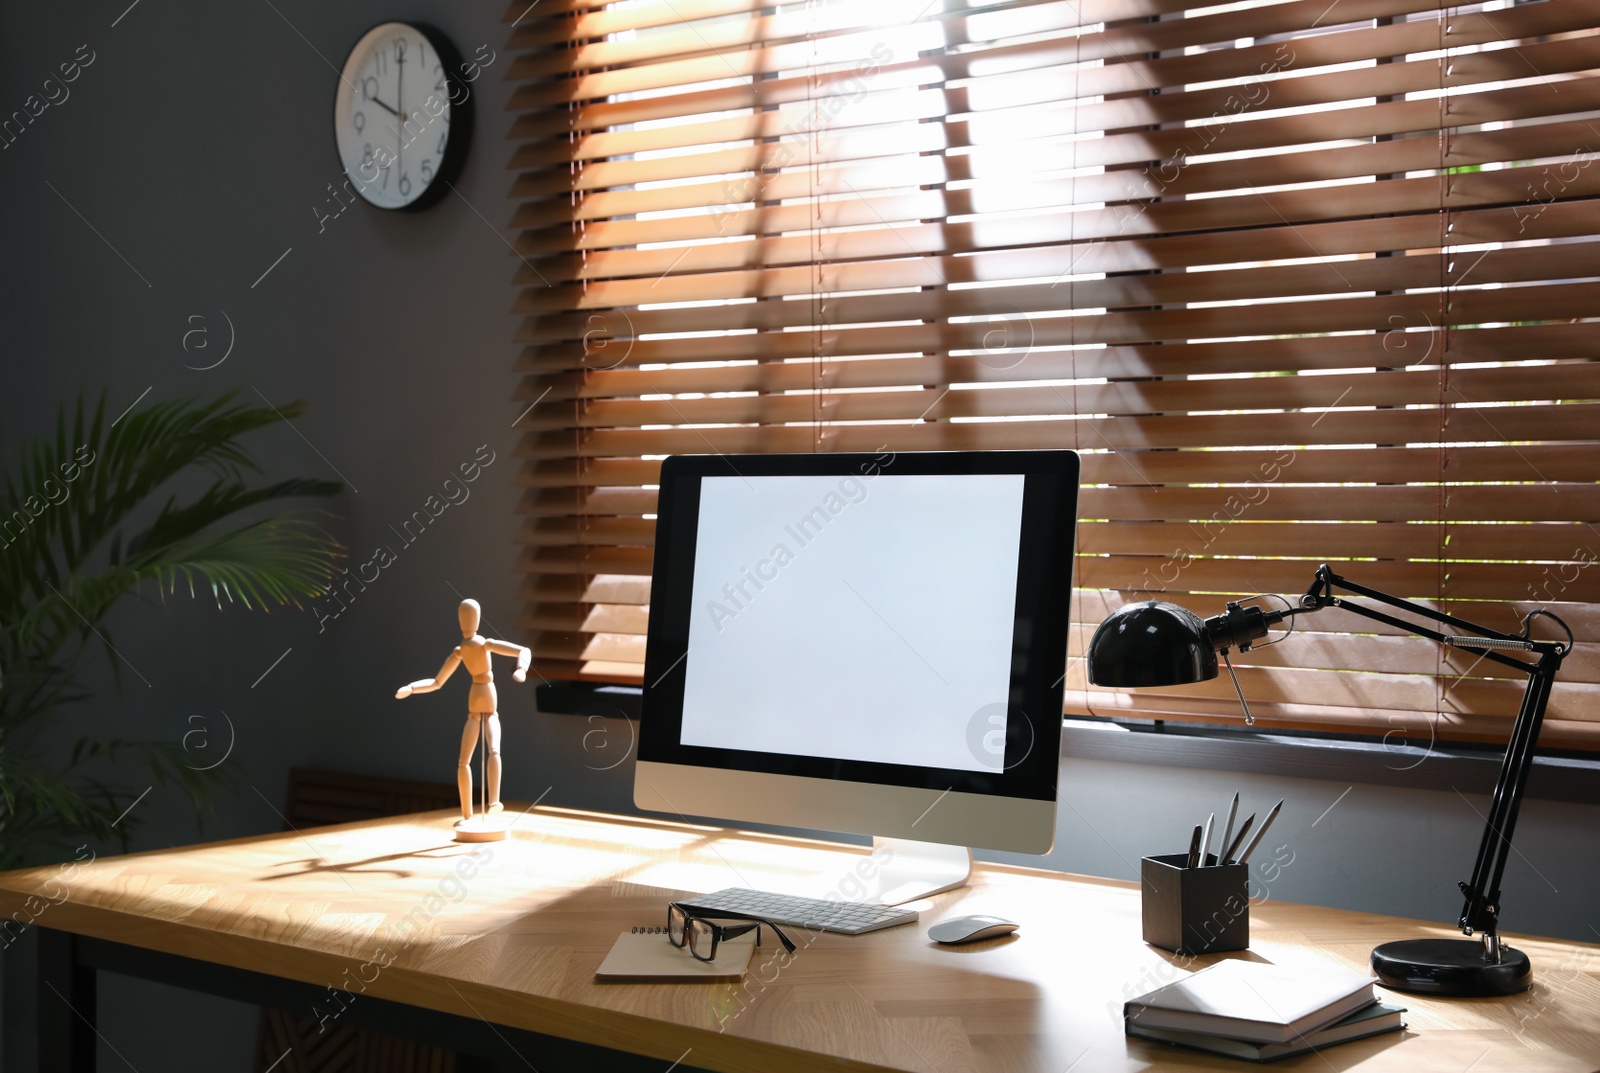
point(402, 117)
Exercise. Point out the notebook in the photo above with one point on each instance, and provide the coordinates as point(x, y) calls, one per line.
point(646, 955)
point(1372, 1020)
point(1252, 1000)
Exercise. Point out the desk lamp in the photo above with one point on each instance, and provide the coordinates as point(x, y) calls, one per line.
point(1154, 643)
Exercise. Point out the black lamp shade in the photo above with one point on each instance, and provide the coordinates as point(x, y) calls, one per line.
point(1151, 643)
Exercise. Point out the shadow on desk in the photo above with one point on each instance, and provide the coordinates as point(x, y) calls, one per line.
point(293, 1040)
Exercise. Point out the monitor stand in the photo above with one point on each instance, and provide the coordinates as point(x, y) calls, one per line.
point(903, 870)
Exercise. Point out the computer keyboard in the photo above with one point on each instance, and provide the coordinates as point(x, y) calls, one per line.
point(818, 914)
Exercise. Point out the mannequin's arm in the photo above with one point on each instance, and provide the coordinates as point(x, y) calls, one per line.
point(428, 685)
point(506, 648)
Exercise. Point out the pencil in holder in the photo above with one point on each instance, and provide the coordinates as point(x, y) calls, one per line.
point(1190, 911)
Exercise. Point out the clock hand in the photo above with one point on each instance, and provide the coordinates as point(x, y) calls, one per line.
point(400, 102)
point(385, 107)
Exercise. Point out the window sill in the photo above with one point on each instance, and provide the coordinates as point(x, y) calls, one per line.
point(1440, 767)
point(589, 698)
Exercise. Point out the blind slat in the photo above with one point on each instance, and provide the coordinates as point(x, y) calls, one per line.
point(1380, 315)
point(559, 478)
point(997, 359)
point(1101, 247)
point(1509, 265)
point(1128, 433)
point(1419, 388)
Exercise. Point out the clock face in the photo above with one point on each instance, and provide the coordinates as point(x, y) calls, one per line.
point(398, 116)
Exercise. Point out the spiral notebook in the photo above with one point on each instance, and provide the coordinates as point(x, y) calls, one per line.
point(645, 955)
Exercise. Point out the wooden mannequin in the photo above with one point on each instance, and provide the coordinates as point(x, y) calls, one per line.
point(482, 716)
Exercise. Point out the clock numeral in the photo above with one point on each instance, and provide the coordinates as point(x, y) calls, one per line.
point(442, 139)
point(369, 88)
point(374, 161)
point(427, 172)
point(359, 121)
point(383, 63)
point(405, 185)
point(400, 50)
point(438, 85)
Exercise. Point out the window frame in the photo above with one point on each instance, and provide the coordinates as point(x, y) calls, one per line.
point(1283, 683)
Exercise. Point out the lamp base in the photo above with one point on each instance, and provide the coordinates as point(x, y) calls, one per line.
point(1450, 967)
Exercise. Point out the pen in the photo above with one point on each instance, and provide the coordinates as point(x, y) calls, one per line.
point(1194, 848)
point(1244, 828)
point(1205, 839)
point(1245, 856)
point(1227, 830)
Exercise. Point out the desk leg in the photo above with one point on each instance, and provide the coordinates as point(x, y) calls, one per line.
point(66, 1010)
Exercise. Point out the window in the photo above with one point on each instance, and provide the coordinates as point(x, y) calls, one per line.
point(1302, 280)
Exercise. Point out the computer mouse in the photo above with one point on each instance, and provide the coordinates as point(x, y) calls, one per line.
point(970, 929)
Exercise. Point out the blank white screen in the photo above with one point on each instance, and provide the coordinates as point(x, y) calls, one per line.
point(854, 618)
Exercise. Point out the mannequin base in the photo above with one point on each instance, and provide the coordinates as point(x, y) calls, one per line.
point(481, 829)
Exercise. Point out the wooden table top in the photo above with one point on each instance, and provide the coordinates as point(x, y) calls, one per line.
point(514, 935)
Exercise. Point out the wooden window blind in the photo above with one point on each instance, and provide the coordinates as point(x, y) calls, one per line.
point(1302, 280)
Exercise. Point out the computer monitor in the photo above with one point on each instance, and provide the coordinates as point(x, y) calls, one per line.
point(868, 643)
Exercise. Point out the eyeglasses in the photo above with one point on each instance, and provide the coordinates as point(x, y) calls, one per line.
point(694, 928)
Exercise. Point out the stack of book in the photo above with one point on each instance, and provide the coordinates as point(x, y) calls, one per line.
point(1258, 1011)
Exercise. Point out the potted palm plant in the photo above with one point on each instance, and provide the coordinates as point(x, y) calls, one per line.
point(81, 528)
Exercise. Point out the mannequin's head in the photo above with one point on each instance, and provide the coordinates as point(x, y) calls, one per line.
point(468, 612)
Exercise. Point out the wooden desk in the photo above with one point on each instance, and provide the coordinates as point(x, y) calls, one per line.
point(513, 938)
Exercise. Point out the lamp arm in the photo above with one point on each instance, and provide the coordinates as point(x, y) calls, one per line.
point(1481, 911)
point(1320, 595)
point(1240, 627)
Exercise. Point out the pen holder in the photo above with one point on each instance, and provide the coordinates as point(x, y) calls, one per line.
point(1190, 911)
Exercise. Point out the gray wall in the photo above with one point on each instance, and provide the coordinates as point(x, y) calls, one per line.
point(190, 155)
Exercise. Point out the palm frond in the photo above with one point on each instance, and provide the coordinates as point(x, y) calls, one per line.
point(69, 552)
point(278, 560)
